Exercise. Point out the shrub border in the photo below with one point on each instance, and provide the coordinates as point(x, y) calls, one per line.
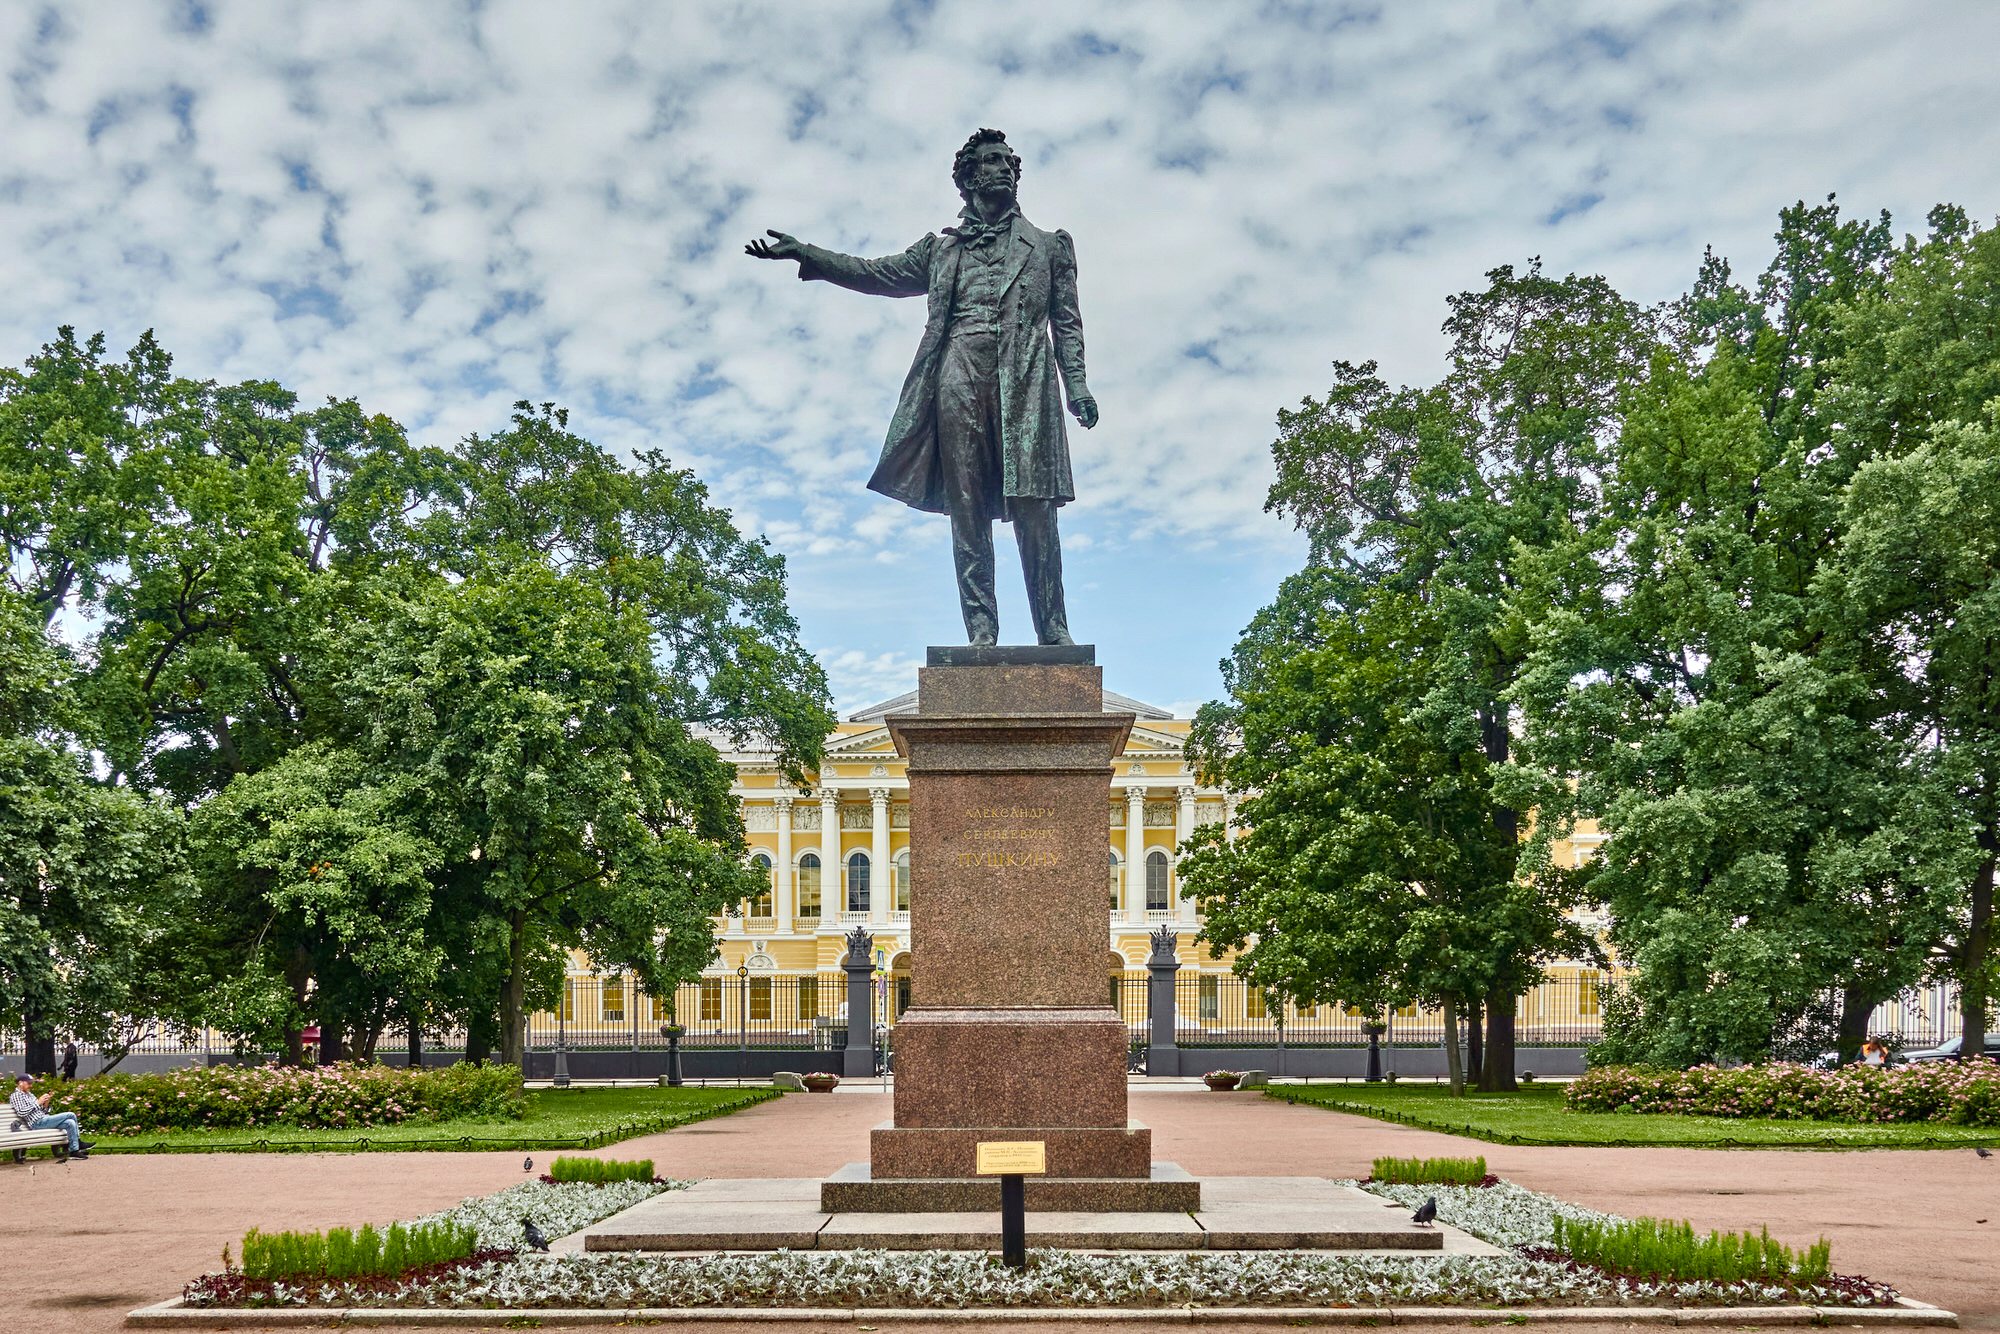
point(624, 1130)
point(172, 1315)
point(1724, 1142)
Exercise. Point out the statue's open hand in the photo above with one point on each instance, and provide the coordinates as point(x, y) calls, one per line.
point(1085, 410)
point(780, 247)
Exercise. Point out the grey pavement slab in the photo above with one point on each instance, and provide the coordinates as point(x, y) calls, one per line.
point(1238, 1213)
point(1306, 1213)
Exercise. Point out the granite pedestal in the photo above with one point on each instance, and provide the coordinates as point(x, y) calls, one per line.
point(1008, 1035)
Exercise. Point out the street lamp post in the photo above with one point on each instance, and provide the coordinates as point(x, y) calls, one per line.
point(561, 1079)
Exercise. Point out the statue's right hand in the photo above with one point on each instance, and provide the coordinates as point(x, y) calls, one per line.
point(780, 246)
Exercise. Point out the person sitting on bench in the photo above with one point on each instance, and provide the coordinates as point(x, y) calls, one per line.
point(33, 1113)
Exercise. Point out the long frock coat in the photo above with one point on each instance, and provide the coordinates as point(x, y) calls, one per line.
point(1037, 300)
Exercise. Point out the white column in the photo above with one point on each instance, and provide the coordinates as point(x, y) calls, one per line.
point(1135, 854)
point(881, 875)
point(1183, 909)
point(782, 905)
point(1229, 815)
point(832, 884)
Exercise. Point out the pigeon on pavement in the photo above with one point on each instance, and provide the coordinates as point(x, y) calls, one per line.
point(536, 1241)
point(1426, 1211)
point(1981, 1152)
point(527, 1164)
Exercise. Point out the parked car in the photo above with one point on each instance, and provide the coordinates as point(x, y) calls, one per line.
point(1948, 1051)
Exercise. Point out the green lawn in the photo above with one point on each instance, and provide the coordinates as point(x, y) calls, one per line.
point(1536, 1115)
point(557, 1119)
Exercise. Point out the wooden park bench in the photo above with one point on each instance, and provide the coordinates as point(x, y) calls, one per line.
point(20, 1141)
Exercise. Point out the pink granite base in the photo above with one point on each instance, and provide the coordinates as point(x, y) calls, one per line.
point(902, 1152)
point(1011, 1067)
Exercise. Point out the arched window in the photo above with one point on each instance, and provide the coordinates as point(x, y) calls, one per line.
point(760, 906)
point(1156, 881)
point(857, 882)
point(903, 881)
point(809, 885)
point(1114, 880)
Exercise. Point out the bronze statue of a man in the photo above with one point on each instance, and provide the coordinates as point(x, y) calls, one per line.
point(978, 433)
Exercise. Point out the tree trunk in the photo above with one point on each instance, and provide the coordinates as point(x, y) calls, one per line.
point(1499, 1073)
point(1475, 1047)
point(40, 1041)
point(1454, 1070)
point(416, 1056)
point(1972, 995)
point(331, 1048)
point(479, 1037)
point(513, 994)
point(295, 1047)
point(1855, 1007)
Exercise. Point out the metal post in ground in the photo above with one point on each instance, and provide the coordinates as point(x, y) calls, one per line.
point(561, 1079)
point(742, 1021)
point(1014, 1221)
point(858, 1060)
point(1162, 1056)
point(1374, 1032)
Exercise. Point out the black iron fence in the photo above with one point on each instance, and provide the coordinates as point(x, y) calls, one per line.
point(1223, 1010)
point(725, 1016)
point(778, 1011)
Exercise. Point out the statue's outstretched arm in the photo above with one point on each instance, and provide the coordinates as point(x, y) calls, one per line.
point(907, 274)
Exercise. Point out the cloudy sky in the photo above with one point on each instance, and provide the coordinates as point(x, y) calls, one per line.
point(440, 208)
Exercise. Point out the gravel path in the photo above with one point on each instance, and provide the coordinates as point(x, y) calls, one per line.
point(87, 1242)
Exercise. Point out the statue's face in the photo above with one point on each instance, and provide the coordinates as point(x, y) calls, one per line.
point(993, 167)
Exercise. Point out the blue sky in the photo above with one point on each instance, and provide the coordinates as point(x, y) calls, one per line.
point(442, 208)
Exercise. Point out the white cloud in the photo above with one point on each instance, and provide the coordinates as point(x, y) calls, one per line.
point(442, 209)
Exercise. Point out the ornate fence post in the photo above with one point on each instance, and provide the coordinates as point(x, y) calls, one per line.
point(859, 964)
point(1162, 1056)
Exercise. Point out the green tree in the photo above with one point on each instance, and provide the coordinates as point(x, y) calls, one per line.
point(543, 757)
point(90, 877)
point(1371, 872)
point(1433, 492)
point(1917, 389)
point(1683, 681)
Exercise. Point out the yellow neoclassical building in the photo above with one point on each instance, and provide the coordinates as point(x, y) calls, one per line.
point(837, 853)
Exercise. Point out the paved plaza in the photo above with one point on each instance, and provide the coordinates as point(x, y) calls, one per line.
point(87, 1242)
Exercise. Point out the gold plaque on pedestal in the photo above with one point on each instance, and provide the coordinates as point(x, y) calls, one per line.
point(1011, 1158)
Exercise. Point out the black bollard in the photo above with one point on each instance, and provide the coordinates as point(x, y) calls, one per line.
point(1013, 1222)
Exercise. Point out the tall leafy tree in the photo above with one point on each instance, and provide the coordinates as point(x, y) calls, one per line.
point(1431, 493)
point(1681, 675)
point(1371, 872)
point(1917, 389)
point(90, 878)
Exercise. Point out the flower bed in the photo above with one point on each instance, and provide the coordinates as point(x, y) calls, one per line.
point(1935, 1091)
point(1535, 1274)
point(333, 1097)
point(953, 1280)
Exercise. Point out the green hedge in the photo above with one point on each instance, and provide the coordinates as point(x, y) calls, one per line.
point(601, 1170)
point(1650, 1248)
point(1935, 1091)
point(343, 1253)
point(1430, 1171)
point(333, 1097)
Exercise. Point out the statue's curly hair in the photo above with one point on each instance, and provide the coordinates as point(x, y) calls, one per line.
point(961, 166)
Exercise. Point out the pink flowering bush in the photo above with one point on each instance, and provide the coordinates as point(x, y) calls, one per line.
point(1938, 1091)
point(332, 1097)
